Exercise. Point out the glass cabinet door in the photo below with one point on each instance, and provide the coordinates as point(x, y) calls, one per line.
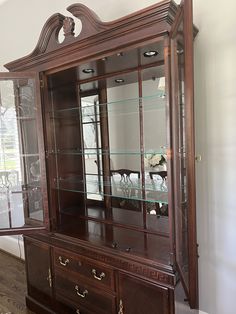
point(183, 142)
point(22, 184)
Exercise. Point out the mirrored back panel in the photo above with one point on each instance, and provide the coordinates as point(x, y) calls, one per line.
point(108, 143)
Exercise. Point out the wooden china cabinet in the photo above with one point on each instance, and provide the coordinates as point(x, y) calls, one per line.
point(97, 162)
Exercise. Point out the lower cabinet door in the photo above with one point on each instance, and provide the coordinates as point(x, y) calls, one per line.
point(38, 270)
point(140, 297)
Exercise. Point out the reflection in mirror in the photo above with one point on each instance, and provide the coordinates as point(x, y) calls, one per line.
point(20, 193)
point(127, 116)
point(90, 118)
point(115, 115)
point(155, 137)
point(124, 141)
point(108, 140)
point(126, 190)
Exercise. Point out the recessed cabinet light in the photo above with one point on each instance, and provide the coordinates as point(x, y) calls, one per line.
point(88, 71)
point(120, 80)
point(150, 53)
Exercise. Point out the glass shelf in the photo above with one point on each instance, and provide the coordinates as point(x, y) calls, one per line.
point(31, 188)
point(18, 118)
point(154, 187)
point(150, 101)
point(162, 199)
point(99, 151)
point(155, 191)
point(13, 154)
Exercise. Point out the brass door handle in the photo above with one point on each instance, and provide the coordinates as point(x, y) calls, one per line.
point(49, 278)
point(98, 277)
point(63, 263)
point(81, 294)
point(121, 307)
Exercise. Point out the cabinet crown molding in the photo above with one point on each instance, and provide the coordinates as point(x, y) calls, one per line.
point(160, 15)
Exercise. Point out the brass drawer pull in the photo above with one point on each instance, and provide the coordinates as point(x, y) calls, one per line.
point(63, 263)
point(83, 294)
point(77, 311)
point(98, 277)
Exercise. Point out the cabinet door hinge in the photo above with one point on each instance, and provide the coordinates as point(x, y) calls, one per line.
point(41, 84)
point(198, 250)
point(171, 259)
point(198, 158)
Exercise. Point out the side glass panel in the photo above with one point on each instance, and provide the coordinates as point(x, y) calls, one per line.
point(184, 150)
point(21, 201)
point(182, 209)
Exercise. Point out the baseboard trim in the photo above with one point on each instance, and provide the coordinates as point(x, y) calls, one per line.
point(12, 245)
point(200, 312)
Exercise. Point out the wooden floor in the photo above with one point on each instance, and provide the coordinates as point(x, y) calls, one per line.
point(12, 285)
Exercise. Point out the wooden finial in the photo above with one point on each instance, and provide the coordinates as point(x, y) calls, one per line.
point(68, 26)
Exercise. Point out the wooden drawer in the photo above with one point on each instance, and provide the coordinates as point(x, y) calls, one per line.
point(83, 295)
point(92, 271)
point(65, 306)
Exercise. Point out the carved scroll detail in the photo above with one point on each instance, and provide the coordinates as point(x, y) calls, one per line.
point(68, 27)
point(93, 29)
point(48, 34)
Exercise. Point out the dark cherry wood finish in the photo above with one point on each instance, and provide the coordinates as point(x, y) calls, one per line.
point(79, 292)
point(139, 297)
point(92, 258)
point(39, 272)
point(86, 269)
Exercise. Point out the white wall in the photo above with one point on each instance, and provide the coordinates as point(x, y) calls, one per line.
point(13, 245)
point(215, 98)
point(215, 76)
